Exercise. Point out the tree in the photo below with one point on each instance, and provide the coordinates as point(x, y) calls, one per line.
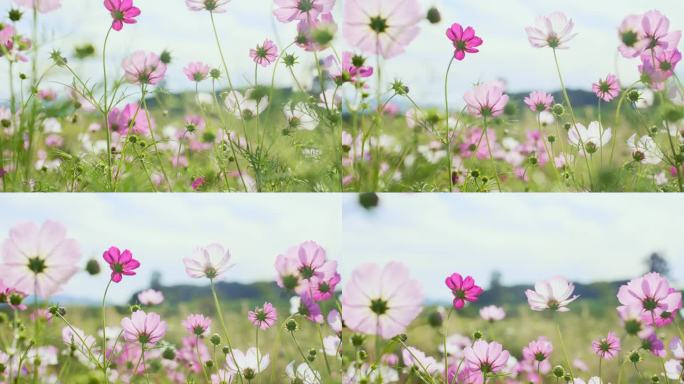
point(155, 280)
point(657, 263)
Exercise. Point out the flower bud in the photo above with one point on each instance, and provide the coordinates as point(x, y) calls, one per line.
point(434, 16)
point(169, 353)
point(362, 355)
point(209, 364)
point(215, 339)
point(15, 14)
point(57, 58)
point(633, 96)
point(165, 57)
point(134, 308)
point(591, 147)
point(357, 340)
point(291, 325)
point(215, 73)
point(655, 379)
point(56, 310)
point(92, 267)
point(558, 110)
point(558, 371)
point(477, 335)
point(635, 357)
point(225, 349)
point(638, 156)
point(435, 319)
point(552, 139)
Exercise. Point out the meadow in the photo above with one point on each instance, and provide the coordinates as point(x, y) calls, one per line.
point(341, 127)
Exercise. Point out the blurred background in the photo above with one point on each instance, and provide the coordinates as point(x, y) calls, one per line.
point(506, 53)
point(509, 242)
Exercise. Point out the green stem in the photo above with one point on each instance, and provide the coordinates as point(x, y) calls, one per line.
point(219, 313)
point(104, 333)
point(106, 110)
point(491, 156)
point(565, 353)
point(154, 143)
point(446, 121)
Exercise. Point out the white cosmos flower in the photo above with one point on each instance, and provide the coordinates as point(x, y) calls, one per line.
point(554, 31)
point(331, 345)
point(647, 148)
point(554, 294)
point(245, 106)
point(305, 374)
point(252, 362)
point(298, 117)
point(210, 262)
point(589, 139)
point(150, 297)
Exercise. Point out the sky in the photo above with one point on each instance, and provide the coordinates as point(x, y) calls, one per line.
point(527, 238)
point(506, 53)
point(162, 229)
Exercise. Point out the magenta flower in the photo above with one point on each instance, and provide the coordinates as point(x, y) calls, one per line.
point(215, 6)
point(39, 260)
point(539, 101)
point(485, 358)
point(462, 289)
point(196, 71)
point(649, 293)
point(323, 288)
point(122, 11)
point(309, 308)
point(143, 328)
point(553, 31)
point(264, 54)
point(464, 41)
point(197, 183)
point(606, 89)
point(352, 69)
point(42, 6)
point(381, 27)
point(486, 100)
point(144, 68)
point(538, 350)
point(653, 344)
point(606, 347)
point(659, 65)
point(129, 119)
point(381, 301)
point(121, 263)
point(304, 10)
point(554, 294)
point(197, 324)
point(264, 317)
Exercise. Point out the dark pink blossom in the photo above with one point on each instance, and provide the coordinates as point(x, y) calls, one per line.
point(464, 40)
point(121, 263)
point(122, 11)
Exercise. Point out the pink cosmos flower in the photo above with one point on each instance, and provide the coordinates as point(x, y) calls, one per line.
point(309, 308)
point(299, 265)
point(381, 27)
point(211, 262)
point(197, 324)
point(39, 260)
point(150, 297)
point(121, 263)
point(649, 293)
point(196, 71)
point(413, 357)
point(43, 6)
point(352, 68)
point(335, 321)
point(323, 288)
point(307, 32)
point(538, 350)
point(539, 101)
point(658, 65)
point(653, 344)
point(381, 301)
point(631, 33)
point(7, 32)
point(193, 353)
point(304, 10)
point(492, 313)
point(554, 294)
point(215, 6)
point(197, 183)
point(464, 41)
point(607, 347)
point(553, 31)
point(143, 328)
point(129, 119)
point(264, 317)
point(486, 100)
point(122, 11)
point(144, 68)
point(264, 54)
point(485, 358)
point(656, 32)
point(12, 297)
point(606, 89)
point(462, 289)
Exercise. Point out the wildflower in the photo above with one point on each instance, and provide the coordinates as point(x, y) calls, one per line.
point(554, 294)
point(607, 347)
point(249, 363)
point(485, 358)
point(464, 40)
point(121, 263)
point(656, 32)
point(245, 106)
point(210, 262)
point(316, 35)
point(590, 138)
point(39, 260)
point(130, 119)
point(380, 27)
point(553, 31)
point(302, 374)
point(303, 10)
point(215, 6)
point(539, 101)
point(42, 6)
point(381, 301)
point(413, 357)
point(606, 89)
point(486, 100)
point(150, 297)
point(197, 183)
point(298, 117)
point(462, 289)
point(323, 288)
point(653, 344)
point(264, 317)
point(264, 54)
point(143, 328)
point(538, 350)
point(492, 313)
point(196, 71)
point(649, 293)
point(122, 11)
point(352, 69)
point(306, 306)
point(144, 68)
point(197, 325)
point(631, 33)
point(645, 150)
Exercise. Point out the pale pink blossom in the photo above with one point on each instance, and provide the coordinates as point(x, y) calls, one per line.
point(196, 71)
point(215, 6)
point(264, 54)
point(606, 347)
point(150, 297)
point(492, 313)
point(143, 328)
point(43, 6)
point(264, 317)
point(486, 100)
point(539, 101)
point(197, 325)
point(144, 68)
point(303, 10)
point(606, 89)
point(485, 358)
